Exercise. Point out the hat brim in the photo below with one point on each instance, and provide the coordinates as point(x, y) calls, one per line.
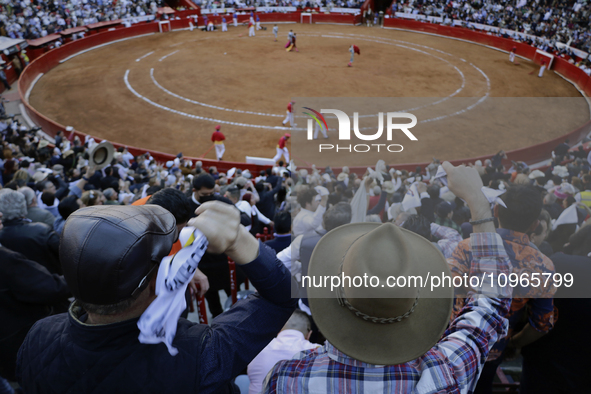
point(103, 159)
point(381, 344)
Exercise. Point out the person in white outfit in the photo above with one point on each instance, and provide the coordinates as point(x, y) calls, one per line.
point(282, 148)
point(224, 24)
point(289, 116)
point(542, 68)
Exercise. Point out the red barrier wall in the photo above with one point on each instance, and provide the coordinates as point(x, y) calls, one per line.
point(334, 18)
point(529, 155)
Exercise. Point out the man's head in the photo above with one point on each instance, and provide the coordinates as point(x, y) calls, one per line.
point(108, 280)
point(68, 206)
point(307, 199)
point(418, 224)
point(336, 216)
point(433, 191)
point(398, 323)
point(48, 198)
point(12, 204)
point(233, 194)
point(203, 188)
point(524, 205)
point(282, 222)
point(175, 202)
point(30, 196)
point(48, 186)
point(299, 321)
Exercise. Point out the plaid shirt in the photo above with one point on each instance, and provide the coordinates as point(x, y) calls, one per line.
point(448, 238)
point(534, 304)
point(451, 366)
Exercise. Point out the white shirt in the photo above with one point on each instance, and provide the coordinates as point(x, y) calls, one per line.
point(244, 206)
point(306, 220)
point(284, 347)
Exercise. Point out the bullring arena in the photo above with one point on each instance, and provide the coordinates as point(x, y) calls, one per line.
point(165, 92)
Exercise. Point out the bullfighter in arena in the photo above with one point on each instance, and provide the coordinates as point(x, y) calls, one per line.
point(354, 49)
point(542, 68)
point(218, 139)
point(282, 149)
point(289, 117)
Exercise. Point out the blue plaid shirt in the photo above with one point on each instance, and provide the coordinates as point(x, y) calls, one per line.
point(451, 366)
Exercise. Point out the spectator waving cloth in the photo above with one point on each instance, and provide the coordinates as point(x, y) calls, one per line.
point(568, 216)
point(492, 195)
point(159, 322)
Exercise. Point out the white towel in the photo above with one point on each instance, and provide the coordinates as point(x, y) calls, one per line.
point(159, 321)
point(568, 216)
point(492, 195)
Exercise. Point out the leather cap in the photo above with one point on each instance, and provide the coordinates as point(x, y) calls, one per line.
point(106, 251)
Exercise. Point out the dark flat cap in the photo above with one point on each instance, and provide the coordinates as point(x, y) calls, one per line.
point(106, 251)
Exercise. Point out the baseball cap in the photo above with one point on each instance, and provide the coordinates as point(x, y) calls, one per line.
point(108, 251)
point(287, 135)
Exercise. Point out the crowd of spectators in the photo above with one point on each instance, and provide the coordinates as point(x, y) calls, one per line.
point(33, 19)
point(550, 22)
point(546, 217)
point(213, 4)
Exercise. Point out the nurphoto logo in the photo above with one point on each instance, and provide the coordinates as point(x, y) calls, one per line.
point(318, 123)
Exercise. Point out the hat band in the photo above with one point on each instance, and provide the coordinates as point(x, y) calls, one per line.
point(343, 301)
point(380, 320)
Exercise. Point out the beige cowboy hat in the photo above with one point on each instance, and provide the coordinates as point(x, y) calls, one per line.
point(380, 325)
point(388, 187)
point(342, 176)
point(101, 155)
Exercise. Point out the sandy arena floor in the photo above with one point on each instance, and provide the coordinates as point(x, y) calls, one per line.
point(166, 92)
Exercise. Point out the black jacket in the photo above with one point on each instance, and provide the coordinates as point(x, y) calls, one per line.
point(62, 354)
point(37, 241)
point(28, 292)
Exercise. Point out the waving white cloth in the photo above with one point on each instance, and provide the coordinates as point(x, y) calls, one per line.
point(158, 323)
point(412, 198)
point(492, 195)
point(359, 205)
point(568, 216)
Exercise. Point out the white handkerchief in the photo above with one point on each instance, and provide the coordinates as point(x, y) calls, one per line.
point(492, 195)
point(322, 191)
point(159, 321)
point(441, 175)
point(412, 199)
point(568, 216)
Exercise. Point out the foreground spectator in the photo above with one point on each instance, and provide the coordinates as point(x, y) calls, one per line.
point(96, 342)
point(26, 287)
point(533, 304)
point(410, 354)
point(558, 362)
point(37, 241)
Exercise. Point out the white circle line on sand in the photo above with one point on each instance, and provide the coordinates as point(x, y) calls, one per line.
point(170, 54)
point(205, 104)
point(145, 56)
point(361, 116)
point(147, 100)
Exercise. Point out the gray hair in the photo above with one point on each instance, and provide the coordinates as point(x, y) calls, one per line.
point(29, 195)
point(12, 204)
point(298, 321)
